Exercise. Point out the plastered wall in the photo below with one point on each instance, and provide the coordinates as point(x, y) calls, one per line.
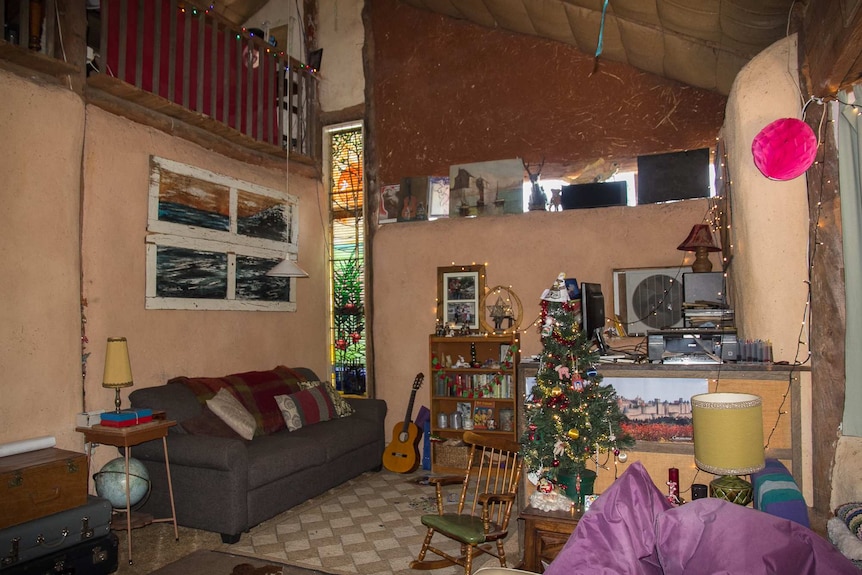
point(40, 346)
point(74, 228)
point(523, 251)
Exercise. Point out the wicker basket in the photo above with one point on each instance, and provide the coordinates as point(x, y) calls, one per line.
point(451, 454)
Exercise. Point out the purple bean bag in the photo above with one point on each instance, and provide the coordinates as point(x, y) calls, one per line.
point(632, 529)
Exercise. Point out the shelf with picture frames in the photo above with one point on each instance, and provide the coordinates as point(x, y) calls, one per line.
point(474, 385)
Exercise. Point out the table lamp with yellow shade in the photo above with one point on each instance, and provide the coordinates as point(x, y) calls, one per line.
point(728, 441)
point(118, 369)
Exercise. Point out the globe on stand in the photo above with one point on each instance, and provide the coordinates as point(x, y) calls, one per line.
point(111, 482)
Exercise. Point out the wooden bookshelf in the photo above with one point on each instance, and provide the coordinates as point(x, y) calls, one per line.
point(484, 390)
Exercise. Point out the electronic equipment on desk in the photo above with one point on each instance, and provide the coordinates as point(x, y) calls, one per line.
point(608, 354)
point(673, 346)
point(690, 359)
point(593, 324)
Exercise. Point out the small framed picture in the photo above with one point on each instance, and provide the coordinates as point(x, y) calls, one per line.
point(388, 203)
point(574, 289)
point(459, 291)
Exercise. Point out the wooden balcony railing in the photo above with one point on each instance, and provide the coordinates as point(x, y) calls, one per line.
point(31, 38)
point(175, 58)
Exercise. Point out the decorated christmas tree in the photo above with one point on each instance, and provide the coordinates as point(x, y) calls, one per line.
point(572, 420)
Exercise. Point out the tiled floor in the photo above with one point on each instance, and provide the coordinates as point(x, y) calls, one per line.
point(367, 526)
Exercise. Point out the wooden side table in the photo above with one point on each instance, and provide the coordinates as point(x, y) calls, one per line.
point(126, 437)
point(545, 533)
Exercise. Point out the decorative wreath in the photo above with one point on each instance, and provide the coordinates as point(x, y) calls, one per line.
point(511, 310)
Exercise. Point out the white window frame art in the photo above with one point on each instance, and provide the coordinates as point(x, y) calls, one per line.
point(166, 235)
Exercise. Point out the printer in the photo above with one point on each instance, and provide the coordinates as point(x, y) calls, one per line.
point(692, 346)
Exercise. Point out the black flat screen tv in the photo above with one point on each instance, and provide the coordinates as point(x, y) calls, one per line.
point(593, 195)
point(673, 176)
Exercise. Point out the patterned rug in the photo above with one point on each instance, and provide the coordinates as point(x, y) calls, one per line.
point(368, 526)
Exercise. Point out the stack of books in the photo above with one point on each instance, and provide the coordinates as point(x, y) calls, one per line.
point(126, 417)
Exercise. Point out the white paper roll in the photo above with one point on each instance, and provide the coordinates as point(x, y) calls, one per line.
point(26, 445)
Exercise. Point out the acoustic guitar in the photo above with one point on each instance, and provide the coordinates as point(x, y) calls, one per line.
point(402, 455)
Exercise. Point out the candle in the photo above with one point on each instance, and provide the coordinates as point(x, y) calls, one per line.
point(673, 481)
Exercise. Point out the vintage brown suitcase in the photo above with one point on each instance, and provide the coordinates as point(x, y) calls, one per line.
point(39, 483)
point(52, 533)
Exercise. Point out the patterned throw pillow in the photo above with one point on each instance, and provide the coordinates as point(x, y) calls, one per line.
point(851, 515)
point(306, 407)
point(231, 411)
point(342, 408)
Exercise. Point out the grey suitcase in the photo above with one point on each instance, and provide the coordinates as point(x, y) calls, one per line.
point(52, 533)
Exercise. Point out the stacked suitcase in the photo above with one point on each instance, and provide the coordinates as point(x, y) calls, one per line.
point(48, 523)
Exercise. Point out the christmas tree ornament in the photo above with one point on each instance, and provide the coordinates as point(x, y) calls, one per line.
point(556, 390)
point(557, 292)
point(623, 457)
point(547, 327)
point(573, 433)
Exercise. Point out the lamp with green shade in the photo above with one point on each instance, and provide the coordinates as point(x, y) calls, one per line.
point(728, 441)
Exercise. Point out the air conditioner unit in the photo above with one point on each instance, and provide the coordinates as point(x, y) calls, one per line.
point(649, 299)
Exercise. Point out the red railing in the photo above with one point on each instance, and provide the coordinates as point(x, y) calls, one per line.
point(187, 56)
point(191, 57)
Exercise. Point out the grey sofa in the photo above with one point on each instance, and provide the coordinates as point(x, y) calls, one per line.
point(227, 484)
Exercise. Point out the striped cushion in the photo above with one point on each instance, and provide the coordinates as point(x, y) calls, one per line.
point(306, 407)
point(851, 515)
point(256, 390)
point(776, 493)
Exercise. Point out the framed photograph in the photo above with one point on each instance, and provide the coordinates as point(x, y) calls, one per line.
point(459, 291)
point(438, 203)
point(388, 203)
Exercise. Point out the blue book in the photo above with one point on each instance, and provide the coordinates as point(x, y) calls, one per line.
point(128, 414)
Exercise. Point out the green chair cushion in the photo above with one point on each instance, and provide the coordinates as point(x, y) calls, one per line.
point(465, 528)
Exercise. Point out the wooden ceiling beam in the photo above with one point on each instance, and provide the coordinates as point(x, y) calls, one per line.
point(237, 12)
point(831, 46)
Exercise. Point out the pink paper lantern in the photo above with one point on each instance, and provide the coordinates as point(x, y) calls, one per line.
point(784, 149)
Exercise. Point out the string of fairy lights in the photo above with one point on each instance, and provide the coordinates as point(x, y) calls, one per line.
point(718, 217)
point(247, 33)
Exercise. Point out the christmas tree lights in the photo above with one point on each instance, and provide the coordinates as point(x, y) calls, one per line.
point(571, 418)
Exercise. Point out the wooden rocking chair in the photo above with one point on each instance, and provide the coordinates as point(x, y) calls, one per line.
point(488, 494)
